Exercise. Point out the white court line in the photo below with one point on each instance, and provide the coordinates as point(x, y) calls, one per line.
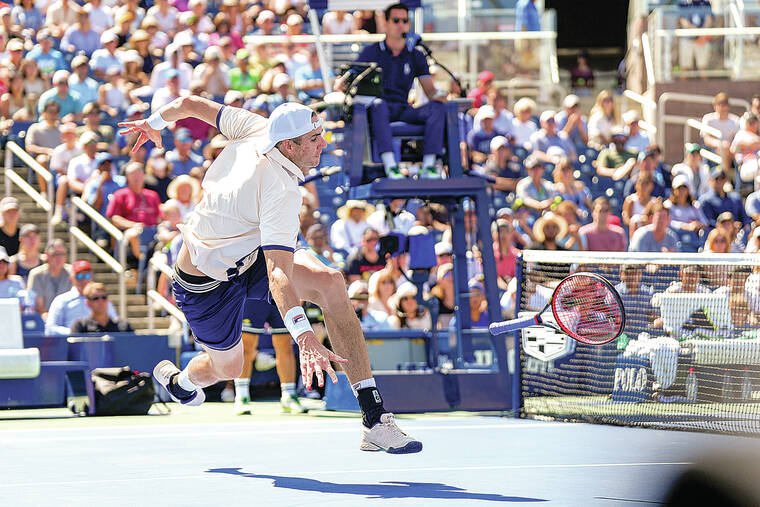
point(136, 435)
point(308, 473)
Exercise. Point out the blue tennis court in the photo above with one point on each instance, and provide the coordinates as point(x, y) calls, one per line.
point(207, 456)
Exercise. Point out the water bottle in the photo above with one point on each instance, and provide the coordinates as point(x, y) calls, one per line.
point(746, 386)
point(725, 388)
point(691, 385)
point(29, 302)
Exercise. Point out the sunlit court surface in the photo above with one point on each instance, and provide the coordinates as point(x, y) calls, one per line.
point(205, 456)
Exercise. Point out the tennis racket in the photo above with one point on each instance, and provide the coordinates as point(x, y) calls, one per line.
point(585, 306)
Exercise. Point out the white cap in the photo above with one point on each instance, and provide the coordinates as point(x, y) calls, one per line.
point(571, 101)
point(442, 248)
point(499, 141)
point(108, 36)
point(485, 112)
point(288, 121)
point(547, 115)
point(183, 38)
point(680, 180)
point(280, 80)
point(233, 95)
point(631, 116)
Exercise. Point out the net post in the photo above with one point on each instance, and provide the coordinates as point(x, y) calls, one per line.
point(517, 400)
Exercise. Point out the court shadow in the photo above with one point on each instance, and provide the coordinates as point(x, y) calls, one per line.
point(384, 490)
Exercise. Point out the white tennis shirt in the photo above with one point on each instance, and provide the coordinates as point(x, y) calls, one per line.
point(250, 201)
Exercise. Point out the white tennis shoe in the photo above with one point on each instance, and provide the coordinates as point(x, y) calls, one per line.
point(386, 436)
point(164, 371)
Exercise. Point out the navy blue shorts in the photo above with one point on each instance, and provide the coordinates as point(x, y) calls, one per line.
point(257, 313)
point(214, 309)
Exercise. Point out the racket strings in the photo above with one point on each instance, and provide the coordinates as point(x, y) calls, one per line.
point(586, 309)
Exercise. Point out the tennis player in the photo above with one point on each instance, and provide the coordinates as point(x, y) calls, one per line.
point(240, 243)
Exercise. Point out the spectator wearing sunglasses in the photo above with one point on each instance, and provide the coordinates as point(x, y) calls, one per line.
point(99, 321)
point(71, 306)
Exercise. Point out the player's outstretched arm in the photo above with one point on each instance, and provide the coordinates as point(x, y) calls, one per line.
point(191, 106)
point(315, 357)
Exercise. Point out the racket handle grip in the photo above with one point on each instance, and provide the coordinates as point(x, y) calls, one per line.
point(498, 328)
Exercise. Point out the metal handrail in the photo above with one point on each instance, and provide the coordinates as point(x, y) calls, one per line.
point(703, 127)
point(648, 65)
point(155, 265)
point(118, 266)
point(648, 107)
point(45, 203)
point(374, 37)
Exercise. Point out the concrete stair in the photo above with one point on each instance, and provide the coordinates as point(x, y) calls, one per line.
point(137, 304)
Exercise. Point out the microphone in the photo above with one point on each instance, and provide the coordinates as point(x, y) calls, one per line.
point(413, 40)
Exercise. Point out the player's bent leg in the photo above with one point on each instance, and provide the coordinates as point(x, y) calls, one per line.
point(326, 287)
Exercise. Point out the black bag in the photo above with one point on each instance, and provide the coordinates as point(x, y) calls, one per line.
point(121, 391)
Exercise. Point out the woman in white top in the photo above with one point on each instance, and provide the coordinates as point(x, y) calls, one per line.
point(634, 204)
point(684, 216)
point(337, 22)
point(111, 96)
point(382, 286)
point(601, 121)
point(522, 124)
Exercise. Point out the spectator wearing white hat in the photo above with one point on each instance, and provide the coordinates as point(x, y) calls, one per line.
point(280, 94)
point(174, 61)
point(10, 211)
point(503, 120)
point(70, 106)
point(548, 144)
point(346, 232)
point(81, 36)
point(65, 151)
point(571, 121)
point(213, 72)
point(106, 58)
point(479, 139)
point(638, 140)
point(502, 164)
point(406, 313)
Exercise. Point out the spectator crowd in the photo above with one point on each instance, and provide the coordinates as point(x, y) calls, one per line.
point(565, 179)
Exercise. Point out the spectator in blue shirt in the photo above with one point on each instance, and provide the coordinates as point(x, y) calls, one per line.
point(752, 204)
point(308, 79)
point(401, 64)
point(80, 82)
point(526, 16)
point(479, 139)
point(81, 36)
point(48, 58)
point(105, 58)
point(26, 15)
point(548, 144)
point(717, 200)
point(572, 122)
point(182, 158)
point(100, 187)
point(657, 236)
point(72, 305)
point(67, 100)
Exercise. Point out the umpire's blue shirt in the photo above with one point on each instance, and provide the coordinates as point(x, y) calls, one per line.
point(398, 71)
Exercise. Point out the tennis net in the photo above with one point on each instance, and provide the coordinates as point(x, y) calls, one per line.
point(689, 357)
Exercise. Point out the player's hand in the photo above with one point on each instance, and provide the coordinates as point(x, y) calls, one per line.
point(147, 133)
point(315, 358)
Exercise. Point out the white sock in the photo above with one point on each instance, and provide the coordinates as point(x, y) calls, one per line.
point(428, 160)
point(184, 381)
point(242, 388)
point(288, 388)
point(58, 209)
point(389, 160)
point(370, 382)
